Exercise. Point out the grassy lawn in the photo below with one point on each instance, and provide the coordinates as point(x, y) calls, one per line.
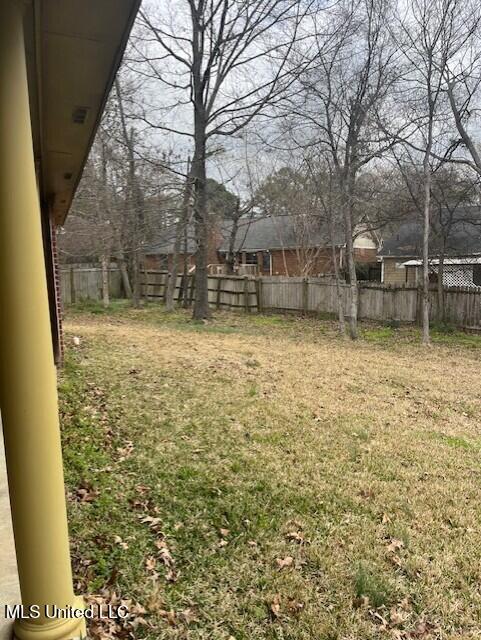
point(261, 478)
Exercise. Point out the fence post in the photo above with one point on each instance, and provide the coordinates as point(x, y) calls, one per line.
point(181, 288)
point(246, 294)
point(418, 305)
point(72, 286)
point(258, 282)
point(192, 285)
point(144, 288)
point(166, 284)
point(219, 290)
point(305, 296)
point(396, 310)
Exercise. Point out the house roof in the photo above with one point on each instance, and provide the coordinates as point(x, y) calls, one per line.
point(74, 48)
point(280, 232)
point(257, 234)
point(163, 243)
point(464, 239)
point(467, 260)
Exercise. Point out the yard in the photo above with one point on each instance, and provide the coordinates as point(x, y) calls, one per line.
point(260, 478)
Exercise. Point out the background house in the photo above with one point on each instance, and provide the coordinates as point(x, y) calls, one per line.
point(293, 245)
point(457, 272)
point(457, 236)
point(288, 245)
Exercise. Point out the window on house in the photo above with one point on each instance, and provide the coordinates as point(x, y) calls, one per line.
point(477, 275)
point(266, 261)
point(251, 258)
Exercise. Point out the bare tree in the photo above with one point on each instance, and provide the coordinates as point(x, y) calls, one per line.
point(291, 192)
point(428, 38)
point(328, 196)
point(452, 215)
point(229, 62)
point(463, 83)
point(343, 97)
point(135, 196)
point(92, 224)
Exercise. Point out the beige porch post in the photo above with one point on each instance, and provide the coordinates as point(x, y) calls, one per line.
point(28, 397)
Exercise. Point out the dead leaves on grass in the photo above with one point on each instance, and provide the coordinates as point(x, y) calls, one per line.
point(289, 607)
point(185, 617)
point(397, 621)
point(123, 545)
point(163, 554)
point(166, 557)
point(103, 627)
point(84, 493)
point(223, 542)
point(125, 451)
point(394, 545)
point(297, 536)
point(283, 563)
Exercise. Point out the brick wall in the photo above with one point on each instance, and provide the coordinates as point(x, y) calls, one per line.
point(319, 264)
point(293, 263)
point(365, 255)
point(49, 233)
point(59, 347)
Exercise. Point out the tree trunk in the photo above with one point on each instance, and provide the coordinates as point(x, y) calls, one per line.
point(172, 274)
point(201, 302)
point(122, 264)
point(441, 300)
point(351, 265)
point(185, 273)
point(230, 258)
point(340, 297)
point(136, 293)
point(426, 227)
point(125, 277)
point(135, 199)
point(181, 223)
point(105, 281)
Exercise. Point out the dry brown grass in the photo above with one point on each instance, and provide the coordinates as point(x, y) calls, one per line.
point(369, 452)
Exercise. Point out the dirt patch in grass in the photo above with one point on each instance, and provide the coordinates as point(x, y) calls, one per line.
point(260, 478)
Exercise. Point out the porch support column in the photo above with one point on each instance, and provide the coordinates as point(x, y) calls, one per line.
point(28, 396)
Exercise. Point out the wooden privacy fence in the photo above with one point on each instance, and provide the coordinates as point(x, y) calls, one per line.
point(318, 296)
point(79, 284)
point(225, 292)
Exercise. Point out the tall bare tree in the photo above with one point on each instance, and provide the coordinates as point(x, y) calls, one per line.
point(135, 196)
point(228, 61)
point(452, 193)
point(343, 97)
point(428, 38)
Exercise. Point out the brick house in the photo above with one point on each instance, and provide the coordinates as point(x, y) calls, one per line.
point(272, 245)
